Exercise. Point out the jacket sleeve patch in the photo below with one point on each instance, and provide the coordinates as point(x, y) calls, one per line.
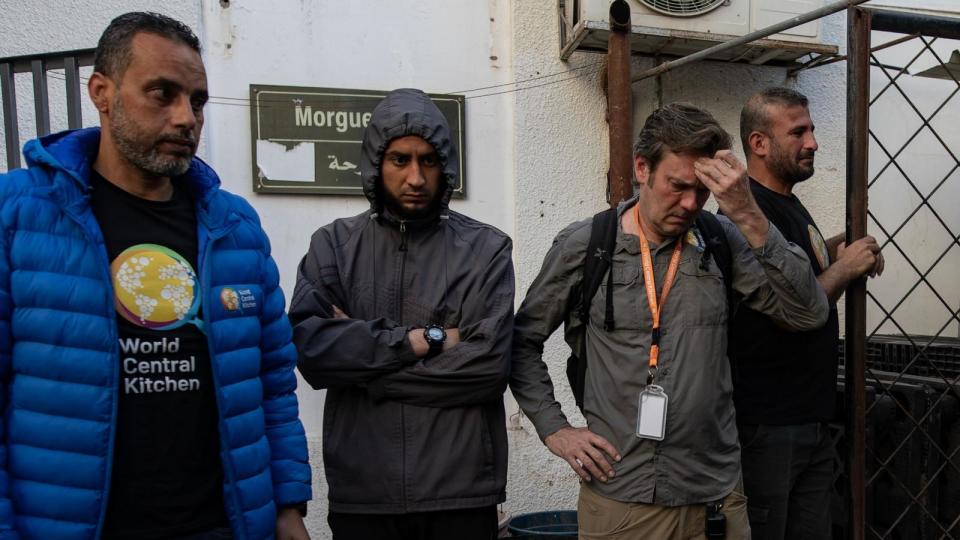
point(236, 301)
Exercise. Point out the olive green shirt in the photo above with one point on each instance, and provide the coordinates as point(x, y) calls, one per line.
point(699, 459)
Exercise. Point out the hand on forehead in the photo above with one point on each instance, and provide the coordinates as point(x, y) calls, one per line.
point(722, 157)
point(723, 167)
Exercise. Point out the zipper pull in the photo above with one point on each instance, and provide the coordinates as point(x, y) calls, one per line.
point(403, 235)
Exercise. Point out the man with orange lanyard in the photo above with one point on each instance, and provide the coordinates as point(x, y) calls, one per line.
point(659, 457)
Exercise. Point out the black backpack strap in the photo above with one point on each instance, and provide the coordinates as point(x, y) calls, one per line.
point(711, 230)
point(603, 239)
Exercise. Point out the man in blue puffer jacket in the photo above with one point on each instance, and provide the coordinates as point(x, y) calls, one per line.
point(146, 364)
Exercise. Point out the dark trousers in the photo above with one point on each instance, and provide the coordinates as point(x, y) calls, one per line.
point(222, 533)
point(788, 479)
point(469, 524)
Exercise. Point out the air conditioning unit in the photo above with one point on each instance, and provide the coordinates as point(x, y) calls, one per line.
point(680, 27)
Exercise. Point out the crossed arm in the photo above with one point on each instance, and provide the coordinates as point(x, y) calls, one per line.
point(388, 359)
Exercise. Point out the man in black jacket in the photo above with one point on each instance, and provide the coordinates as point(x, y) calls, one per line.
point(404, 314)
point(785, 381)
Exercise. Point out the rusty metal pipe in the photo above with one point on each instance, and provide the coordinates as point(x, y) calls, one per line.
point(620, 17)
point(858, 115)
point(619, 105)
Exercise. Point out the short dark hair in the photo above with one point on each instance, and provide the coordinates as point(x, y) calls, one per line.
point(113, 49)
point(681, 128)
point(754, 115)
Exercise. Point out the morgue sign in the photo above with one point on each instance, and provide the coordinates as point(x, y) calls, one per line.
point(307, 140)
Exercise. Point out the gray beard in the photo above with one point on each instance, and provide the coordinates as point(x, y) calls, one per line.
point(149, 160)
point(146, 159)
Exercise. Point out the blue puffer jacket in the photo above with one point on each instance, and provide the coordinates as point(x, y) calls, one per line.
point(59, 355)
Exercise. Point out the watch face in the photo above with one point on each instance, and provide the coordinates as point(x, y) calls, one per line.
point(435, 334)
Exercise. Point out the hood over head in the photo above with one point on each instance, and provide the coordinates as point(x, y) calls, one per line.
point(403, 112)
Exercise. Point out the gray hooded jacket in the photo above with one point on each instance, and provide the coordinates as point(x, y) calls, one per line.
point(404, 434)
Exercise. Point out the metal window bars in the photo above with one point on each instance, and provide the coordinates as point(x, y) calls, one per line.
point(38, 66)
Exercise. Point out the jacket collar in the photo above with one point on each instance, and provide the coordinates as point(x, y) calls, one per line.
point(433, 219)
point(73, 152)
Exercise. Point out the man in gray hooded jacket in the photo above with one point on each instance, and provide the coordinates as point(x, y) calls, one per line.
point(404, 313)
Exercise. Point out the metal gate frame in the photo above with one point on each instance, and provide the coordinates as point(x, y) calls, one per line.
point(861, 22)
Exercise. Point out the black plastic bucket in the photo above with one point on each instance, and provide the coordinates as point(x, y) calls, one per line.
point(546, 525)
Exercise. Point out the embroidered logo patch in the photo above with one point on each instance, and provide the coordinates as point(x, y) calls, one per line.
point(819, 247)
point(694, 239)
point(230, 299)
point(237, 299)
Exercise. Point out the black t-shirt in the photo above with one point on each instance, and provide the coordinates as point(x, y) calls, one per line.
point(782, 377)
point(167, 478)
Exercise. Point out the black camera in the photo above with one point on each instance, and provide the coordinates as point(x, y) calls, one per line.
point(716, 523)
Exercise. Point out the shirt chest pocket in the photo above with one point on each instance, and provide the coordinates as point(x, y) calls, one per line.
point(703, 296)
point(629, 314)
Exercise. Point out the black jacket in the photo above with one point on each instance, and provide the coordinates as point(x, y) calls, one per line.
point(401, 434)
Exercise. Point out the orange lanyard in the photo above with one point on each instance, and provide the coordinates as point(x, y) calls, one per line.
point(656, 308)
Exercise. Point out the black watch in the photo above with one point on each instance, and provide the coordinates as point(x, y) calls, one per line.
point(435, 335)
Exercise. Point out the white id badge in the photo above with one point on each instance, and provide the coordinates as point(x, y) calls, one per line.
point(652, 413)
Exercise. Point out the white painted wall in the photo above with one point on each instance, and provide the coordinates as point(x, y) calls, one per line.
point(924, 240)
point(926, 160)
point(559, 173)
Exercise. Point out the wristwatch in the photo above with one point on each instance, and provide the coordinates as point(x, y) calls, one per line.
point(435, 335)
